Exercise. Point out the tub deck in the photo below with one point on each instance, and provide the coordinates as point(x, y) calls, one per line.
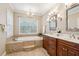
point(23, 43)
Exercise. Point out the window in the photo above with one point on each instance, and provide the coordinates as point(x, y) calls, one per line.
point(28, 25)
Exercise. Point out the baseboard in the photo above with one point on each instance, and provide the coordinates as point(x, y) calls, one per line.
point(4, 54)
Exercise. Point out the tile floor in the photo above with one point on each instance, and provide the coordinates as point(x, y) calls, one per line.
point(35, 52)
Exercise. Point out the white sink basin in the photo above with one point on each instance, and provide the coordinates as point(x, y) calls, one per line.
point(65, 36)
point(57, 35)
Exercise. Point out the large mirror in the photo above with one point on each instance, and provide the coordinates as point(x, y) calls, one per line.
point(73, 18)
point(52, 22)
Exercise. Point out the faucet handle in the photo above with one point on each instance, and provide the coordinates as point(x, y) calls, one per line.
point(73, 36)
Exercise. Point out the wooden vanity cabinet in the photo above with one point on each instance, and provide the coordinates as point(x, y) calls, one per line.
point(65, 48)
point(60, 47)
point(49, 43)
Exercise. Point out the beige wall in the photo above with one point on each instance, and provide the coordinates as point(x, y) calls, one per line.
point(62, 12)
point(16, 23)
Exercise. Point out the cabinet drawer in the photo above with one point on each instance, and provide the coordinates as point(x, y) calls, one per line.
point(69, 44)
point(52, 42)
point(72, 52)
point(51, 47)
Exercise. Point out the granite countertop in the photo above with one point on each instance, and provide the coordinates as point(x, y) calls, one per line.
point(64, 37)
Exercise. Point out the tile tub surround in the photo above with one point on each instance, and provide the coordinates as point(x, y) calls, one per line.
point(35, 52)
point(22, 46)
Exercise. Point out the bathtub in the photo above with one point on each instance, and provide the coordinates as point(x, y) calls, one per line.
point(24, 39)
point(24, 43)
point(28, 38)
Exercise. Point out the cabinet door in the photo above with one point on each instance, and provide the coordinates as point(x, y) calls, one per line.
point(51, 50)
point(52, 41)
point(45, 42)
point(52, 46)
point(61, 50)
point(72, 52)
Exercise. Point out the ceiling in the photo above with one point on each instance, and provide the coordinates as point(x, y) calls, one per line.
point(36, 8)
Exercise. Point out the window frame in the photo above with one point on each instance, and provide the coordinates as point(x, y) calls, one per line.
point(28, 33)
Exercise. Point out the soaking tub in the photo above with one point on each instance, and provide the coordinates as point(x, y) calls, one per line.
point(25, 39)
point(24, 43)
point(28, 38)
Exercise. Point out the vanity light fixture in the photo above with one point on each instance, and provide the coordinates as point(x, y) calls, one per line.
point(59, 17)
point(51, 14)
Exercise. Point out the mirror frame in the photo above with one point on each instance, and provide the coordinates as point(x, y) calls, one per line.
point(53, 29)
point(72, 6)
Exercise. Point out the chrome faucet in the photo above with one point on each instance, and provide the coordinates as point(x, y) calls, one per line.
point(72, 35)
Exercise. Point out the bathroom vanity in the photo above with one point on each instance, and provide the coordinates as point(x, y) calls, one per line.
point(57, 46)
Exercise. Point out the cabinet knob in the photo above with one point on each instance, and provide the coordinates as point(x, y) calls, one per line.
point(64, 49)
